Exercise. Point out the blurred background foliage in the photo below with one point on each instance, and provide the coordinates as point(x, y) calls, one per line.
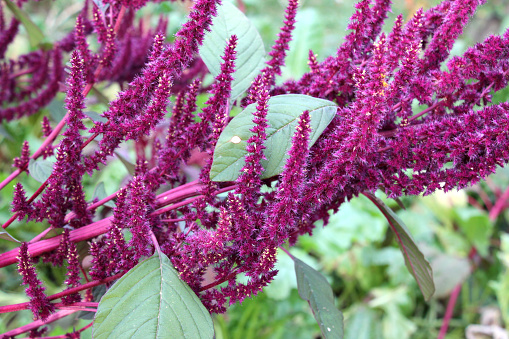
point(356, 252)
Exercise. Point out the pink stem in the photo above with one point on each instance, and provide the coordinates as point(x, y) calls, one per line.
point(24, 306)
point(286, 251)
point(95, 229)
point(40, 247)
point(38, 323)
point(448, 312)
point(499, 205)
point(10, 178)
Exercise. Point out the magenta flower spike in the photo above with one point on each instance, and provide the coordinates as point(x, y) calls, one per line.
point(249, 179)
point(39, 302)
point(349, 126)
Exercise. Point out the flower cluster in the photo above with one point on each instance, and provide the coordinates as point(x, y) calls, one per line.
point(214, 232)
point(18, 99)
point(39, 303)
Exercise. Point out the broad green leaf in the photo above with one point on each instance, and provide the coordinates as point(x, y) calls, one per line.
point(283, 114)
point(57, 109)
point(415, 261)
point(364, 323)
point(477, 227)
point(100, 193)
point(6, 236)
point(128, 165)
point(448, 271)
point(94, 116)
point(250, 50)
point(40, 169)
point(314, 288)
point(151, 301)
point(35, 35)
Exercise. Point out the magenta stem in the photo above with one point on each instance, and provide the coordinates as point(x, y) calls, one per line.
point(448, 312)
point(499, 205)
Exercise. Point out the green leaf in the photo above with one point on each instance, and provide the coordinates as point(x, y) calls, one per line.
point(95, 117)
point(100, 193)
point(40, 169)
point(128, 165)
point(364, 323)
point(151, 301)
point(448, 271)
point(57, 109)
point(35, 35)
point(415, 261)
point(6, 236)
point(284, 112)
point(250, 49)
point(477, 227)
point(314, 288)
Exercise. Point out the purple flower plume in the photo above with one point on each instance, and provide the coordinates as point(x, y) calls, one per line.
point(20, 204)
point(73, 269)
point(215, 231)
point(453, 22)
point(249, 180)
point(132, 103)
point(222, 90)
point(278, 52)
point(65, 190)
point(47, 71)
point(39, 302)
point(22, 161)
point(7, 34)
point(281, 218)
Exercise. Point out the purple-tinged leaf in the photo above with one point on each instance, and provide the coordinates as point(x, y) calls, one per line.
point(415, 261)
point(6, 236)
point(314, 288)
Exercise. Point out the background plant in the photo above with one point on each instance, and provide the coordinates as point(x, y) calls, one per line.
point(195, 216)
